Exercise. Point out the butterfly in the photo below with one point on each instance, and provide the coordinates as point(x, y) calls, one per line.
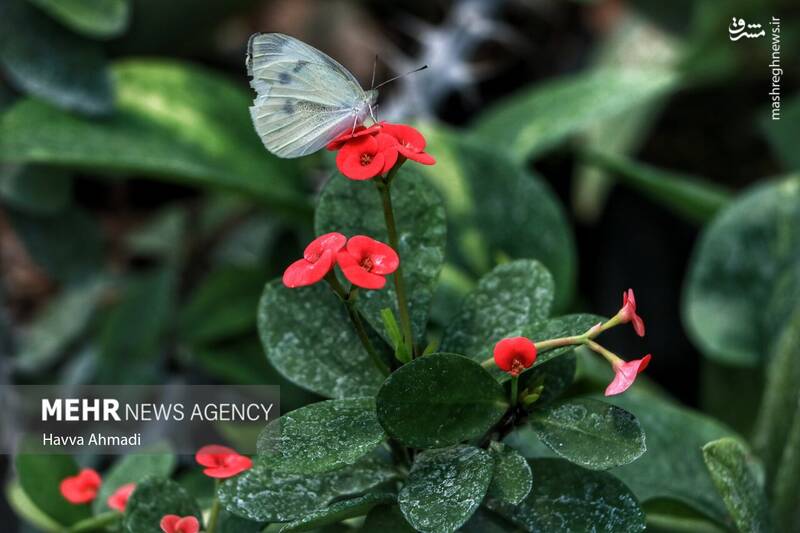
point(304, 98)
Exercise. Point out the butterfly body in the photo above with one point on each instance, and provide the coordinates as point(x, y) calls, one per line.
point(304, 98)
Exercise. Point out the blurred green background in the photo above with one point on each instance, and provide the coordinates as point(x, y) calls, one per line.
point(140, 216)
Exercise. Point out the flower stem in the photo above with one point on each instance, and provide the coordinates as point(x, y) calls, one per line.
point(349, 300)
point(514, 391)
point(606, 353)
point(96, 522)
point(399, 283)
point(214, 515)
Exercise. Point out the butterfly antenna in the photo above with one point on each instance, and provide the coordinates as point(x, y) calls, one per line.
point(374, 70)
point(390, 80)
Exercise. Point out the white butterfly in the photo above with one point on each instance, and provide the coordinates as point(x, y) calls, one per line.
point(305, 99)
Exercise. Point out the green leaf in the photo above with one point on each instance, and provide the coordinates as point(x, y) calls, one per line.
point(339, 511)
point(93, 18)
point(222, 306)
point(781, 134)
point(590, 433)
point(480, 211)
point(35, 189)
point(309, 339)
point(673, 466)
point(52, 63)
point(743, 272)
point(512, 478)
point(445, 487)
point(387, 519)
point(555, 376)
point(58, 325)
point(158, 462)
point(438, 400)
point(507, 299)
point(355, 208)
point(153, 498)
point(40, 476)
point(692, 198)
point(321, 437)
point(567, 497)
point(51, 242)
point(173, 122)
point(534, 120)
point(727, 461)
point(21, 504)
point(787, 481)
point(230, 523)
point(263, 495)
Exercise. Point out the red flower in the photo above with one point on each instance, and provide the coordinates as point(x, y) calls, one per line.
point(318, 259)
point(514, 354)
point(173, 523)
point(360, 131)
point(410, 142)
point(365, 157)
point(625, 374)
point(81, 488)
point(628, 312)
point(222, 462)
point(365, 261)
point(119, 499)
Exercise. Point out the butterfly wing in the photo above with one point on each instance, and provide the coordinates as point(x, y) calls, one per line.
point(305, 99)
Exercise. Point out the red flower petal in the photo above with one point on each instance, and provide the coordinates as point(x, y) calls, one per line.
point(361, 159)
point(81, 488)
point(176, 524)
point(222, 462)
point(625, 374)
point(330, 241)
point(387, 145)
point(119, 499)
point(514, 354)
point(360, 131)
point(628, 312)
point(357, 274)
point(302, 272)
point(407, 137)
point(419, 157)
point(383, 259)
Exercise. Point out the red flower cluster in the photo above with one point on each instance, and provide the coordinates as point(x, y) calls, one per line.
point(119, 500)
point(628, 312)
point(364, 261)
point(514, 354)
point(81, 488)
point(173, 523)
point(222, 462)
point(368, 152)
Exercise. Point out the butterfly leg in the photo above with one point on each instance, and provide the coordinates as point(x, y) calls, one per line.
point(355, 123)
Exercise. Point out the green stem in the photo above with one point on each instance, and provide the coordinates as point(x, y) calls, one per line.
point(514, 391)
point(399, 283)
point(609, 356)
point(349, 300)
point(96, 522)
point(214, 515)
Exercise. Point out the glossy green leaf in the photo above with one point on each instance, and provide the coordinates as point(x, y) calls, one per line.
point(263, 495)
point(439, 400)
point(341, 510)
point(786, 486)
point(727, 461)
point(40, 476)
point(58, 325)
point(534, 120)
point(50, 62)
point(690, 197)
point(222, 306)
point(154, 498)
point(21, 504)
point(673, 466)
point(157, 462)
point(50, 240)
point(94, 18)
point(743, 271)
point(481, 211)
point(35, 189)
point(173, 122)
point(554, 376)
point(309, 339)
point(445, 487)
point(512, 479)
point(387, 519)
point(355, 208)
point(590, 433)
point(230, 523)
point(321, 437)
point(507, 299)
point(566, 497)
